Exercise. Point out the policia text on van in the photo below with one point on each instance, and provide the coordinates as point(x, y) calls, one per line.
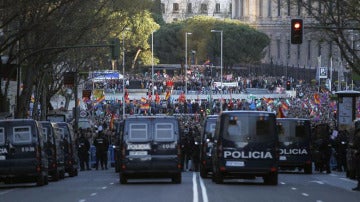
point(245, 146)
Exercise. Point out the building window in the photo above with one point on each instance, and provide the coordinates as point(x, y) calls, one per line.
point(241, 8)
point(203, 8)
point(189, 8)
point(279, 8)
point(299, 7)
point(163, 8)
point(175, 7)
point(278, 48)
point(288, 49)
point(261, 8)
point(309, 51)
point(269, 8)
point(217, 8)
point(309, 7)
point(289, 7)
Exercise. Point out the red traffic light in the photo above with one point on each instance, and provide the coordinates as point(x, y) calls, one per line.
point(297, 25)
point(296, 31)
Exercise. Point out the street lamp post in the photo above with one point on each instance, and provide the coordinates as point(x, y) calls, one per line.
point(123, 66)
point(221, 60)
point(186, 61)
point(152, 63)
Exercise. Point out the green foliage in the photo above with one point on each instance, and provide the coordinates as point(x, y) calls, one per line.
point(241, 43)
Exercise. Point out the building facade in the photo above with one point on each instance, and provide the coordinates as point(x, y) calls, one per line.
point(271, 17)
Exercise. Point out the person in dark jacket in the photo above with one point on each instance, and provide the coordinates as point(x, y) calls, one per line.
point(356, 147)
point(325, 153)
point(101, 145)
point(83, 146)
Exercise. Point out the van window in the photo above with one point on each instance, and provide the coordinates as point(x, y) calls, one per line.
point(245, 128)
point(45, 132)
point(22, 135)
point(2, 136)
point(138, 131)
point(164, 131)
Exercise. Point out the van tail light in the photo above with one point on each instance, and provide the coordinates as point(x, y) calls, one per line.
point(123, 152)
point(308, 162)
point(179, 156)
point(38, 158)
point(220, 150)
point(273, 169)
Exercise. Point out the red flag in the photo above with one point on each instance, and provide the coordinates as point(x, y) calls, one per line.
point(157, 98)
point(280, 113)
point(317, 98)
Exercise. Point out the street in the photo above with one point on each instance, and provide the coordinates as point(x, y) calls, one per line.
point(103, 185)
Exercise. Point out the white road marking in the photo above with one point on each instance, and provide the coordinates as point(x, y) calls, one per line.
point(103, 187)
point(282, 183)
point(7, 191)
point(316, 181)
point(93, 194)
point(82, 200)
point(319, 201)
point(195, 191)
point(305, 194)
point(293, 188)
point(111, 183)
point(203, 190)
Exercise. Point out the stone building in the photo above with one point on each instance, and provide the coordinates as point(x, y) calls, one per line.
point(271, 17)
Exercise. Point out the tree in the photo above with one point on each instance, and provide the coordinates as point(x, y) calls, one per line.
point(337, 21)
point(241, 43)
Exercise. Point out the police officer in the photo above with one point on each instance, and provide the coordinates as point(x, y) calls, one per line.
point(356, 147)
point(340, 144)
point(101, 145)
point(83, 146)
point(325, 153)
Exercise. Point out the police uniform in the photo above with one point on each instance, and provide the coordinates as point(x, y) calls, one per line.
point(83, 152)
point(101, 145)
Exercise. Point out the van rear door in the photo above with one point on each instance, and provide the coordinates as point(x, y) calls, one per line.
point(138, 145)
point(165, 145)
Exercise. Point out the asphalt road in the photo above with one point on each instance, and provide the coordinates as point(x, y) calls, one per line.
point(103, 185)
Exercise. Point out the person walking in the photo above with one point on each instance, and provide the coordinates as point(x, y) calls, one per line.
point(101, 146)
point(83, 146)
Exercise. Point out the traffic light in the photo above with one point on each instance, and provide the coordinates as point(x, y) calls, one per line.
point(297, 31)
point(115, 48)
point(69, 78)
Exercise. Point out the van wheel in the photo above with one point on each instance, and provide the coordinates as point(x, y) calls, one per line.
point(203, 172)
point(176, 178)
point(123, 179)
point(40, 180)
point(73, 172)
point(271, 179)
point(308, 169)
point(62, 174)
point(218, 178)
point(46, 180)
point(56, 176)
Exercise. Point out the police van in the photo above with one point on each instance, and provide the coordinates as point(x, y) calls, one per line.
point(53, 150)
point(207, 137)
point(294, 144)
point(245, 146)
point(150, 148)
point(68, 146)
point(22, 153)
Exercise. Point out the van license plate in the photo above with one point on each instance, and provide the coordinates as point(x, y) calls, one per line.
point(2, 158)
point(282, 158)
point(138, 153)
point(235, 163)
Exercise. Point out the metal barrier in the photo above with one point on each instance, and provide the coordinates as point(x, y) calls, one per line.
point(111, 156)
